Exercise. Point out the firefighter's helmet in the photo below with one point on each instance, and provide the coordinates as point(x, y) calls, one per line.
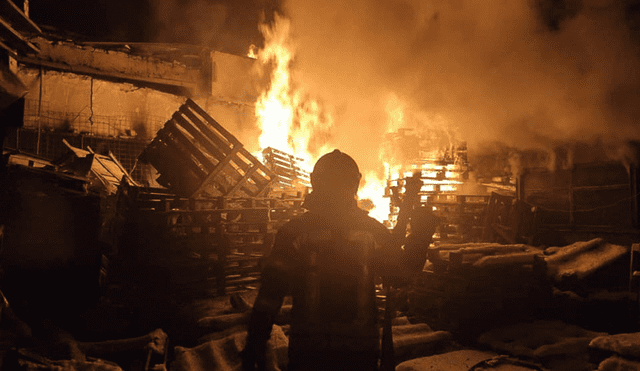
point(336, 172)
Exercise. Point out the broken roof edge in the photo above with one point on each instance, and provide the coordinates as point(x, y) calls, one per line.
point(188, 73)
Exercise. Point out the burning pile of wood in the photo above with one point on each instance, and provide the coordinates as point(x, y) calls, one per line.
point(291, 178)
point(443, 173)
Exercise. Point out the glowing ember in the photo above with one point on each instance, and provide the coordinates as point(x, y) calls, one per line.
point(253, 52)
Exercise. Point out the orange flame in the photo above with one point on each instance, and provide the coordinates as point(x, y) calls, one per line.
point(253, 52)
point(374, 185)
point(437, 177)
point(288, 118)
point(292, 122)
point(373, 189)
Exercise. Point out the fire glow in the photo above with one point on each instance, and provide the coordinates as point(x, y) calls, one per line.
point(287, 118)
point(293, 123)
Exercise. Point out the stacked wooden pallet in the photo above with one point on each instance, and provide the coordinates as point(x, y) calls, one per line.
point(290, 177)
point(216, 218)
point(461, 216)
point(219, 240)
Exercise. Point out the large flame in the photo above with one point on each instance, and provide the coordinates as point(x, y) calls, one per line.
point(290, 121)
point(373, 189)
point(438, 176)
point(374, 183)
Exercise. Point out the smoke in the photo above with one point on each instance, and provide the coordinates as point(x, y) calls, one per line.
point(524, 74)
point(226, 25)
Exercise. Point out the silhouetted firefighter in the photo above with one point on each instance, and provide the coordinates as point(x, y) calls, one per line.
point(327, 260)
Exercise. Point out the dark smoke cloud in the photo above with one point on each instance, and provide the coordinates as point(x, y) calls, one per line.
point(226, 25)
point(527, 73)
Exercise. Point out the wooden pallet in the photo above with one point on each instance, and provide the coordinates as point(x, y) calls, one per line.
point(288, 170)
point(197, 157)
point(221, 238)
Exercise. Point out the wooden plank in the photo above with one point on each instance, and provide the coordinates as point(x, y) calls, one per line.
point(100, 161)
point(171, 159)
point(277, 166)
point(11, 50)
point(16, 16)
point(261, 181)
point(505, 232)
point(268, 173)
point(23, 42)
point(264, 189)
point(199, 136)
point(126, 173)
point(244, 160)
point(244, 180)
point(285, 173)
point(221, 160)
point(287, 162)
point(278, 162)
point(231, 173)
point(211, 121)
point(191, 147)
point(275, 152)
point(217, 170)
point(222, 143)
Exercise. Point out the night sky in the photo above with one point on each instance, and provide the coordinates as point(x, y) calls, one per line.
point(226, 25)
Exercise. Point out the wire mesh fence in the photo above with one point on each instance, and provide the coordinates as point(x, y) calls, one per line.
point(38, 115)
point(48, 144)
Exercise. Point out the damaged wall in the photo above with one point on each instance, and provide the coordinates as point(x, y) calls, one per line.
point(95, 105)
point(233, 78)
point(80, 103)
point(116, 64)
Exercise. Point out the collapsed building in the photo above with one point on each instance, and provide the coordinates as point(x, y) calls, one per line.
point(129, 201)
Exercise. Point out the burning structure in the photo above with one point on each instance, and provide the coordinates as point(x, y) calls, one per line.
point(201, 228)
point(443, 173)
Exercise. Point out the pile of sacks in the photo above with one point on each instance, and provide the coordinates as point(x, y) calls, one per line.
point(225, 337)
point(616, 352)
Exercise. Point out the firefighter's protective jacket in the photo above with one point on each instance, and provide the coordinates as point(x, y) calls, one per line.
point(327, 260)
